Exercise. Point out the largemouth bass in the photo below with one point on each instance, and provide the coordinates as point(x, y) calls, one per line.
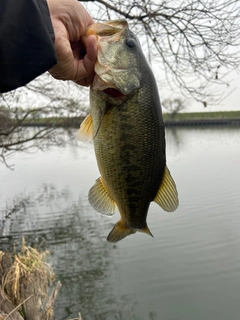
point(127, 128)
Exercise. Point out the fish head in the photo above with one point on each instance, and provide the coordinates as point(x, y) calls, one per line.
point(117, 70)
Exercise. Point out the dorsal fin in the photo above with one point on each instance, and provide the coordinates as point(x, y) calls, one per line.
point(100, 199)
point(85, 131)
point(167, 195)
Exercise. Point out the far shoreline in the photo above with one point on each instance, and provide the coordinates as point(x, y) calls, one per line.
point(220, 118)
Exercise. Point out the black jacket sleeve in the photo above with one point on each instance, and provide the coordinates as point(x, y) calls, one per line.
point(26, 42)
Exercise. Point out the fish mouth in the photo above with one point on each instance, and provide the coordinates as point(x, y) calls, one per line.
point(110, 80)
point(113, 93)
point(109, 88)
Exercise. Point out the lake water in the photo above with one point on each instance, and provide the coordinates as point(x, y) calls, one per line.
point(190, 270)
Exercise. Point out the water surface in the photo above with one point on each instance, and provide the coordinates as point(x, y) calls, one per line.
point(190, 270)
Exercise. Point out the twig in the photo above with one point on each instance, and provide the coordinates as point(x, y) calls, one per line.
point(15, 309)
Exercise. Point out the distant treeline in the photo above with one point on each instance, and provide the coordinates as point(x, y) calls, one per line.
point(179, 119)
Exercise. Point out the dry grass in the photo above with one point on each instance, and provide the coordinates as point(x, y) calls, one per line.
point(28, 278)
point(21, 280)
point(26, 264)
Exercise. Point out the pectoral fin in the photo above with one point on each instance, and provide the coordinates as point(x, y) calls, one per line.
point(85, 131)
point(100, 199)
point(167, 196)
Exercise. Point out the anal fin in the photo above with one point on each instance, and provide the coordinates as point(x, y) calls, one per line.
point(167, 195)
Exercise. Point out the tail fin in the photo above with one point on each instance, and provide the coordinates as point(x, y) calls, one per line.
point(120, 231)
point(146, 230)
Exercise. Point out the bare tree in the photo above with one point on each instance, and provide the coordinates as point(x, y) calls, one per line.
point(194, 42)
point(31, 117)
point(174, 106)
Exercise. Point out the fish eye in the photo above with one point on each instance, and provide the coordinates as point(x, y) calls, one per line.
point(130, 43)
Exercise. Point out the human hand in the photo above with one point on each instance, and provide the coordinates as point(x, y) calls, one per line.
point(76, 59)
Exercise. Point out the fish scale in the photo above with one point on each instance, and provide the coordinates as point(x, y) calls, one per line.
point(128, 133)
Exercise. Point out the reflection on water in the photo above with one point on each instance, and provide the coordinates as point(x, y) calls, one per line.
point(180, 139)
point(51, 219)
point(190, 270)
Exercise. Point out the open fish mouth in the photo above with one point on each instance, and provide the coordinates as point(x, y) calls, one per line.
point(113, 84)
point(113, 93)
point(109, 88)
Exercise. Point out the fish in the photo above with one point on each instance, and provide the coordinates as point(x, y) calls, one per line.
point(126, 124)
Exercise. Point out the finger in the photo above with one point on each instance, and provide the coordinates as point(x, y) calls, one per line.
point(85, 67)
